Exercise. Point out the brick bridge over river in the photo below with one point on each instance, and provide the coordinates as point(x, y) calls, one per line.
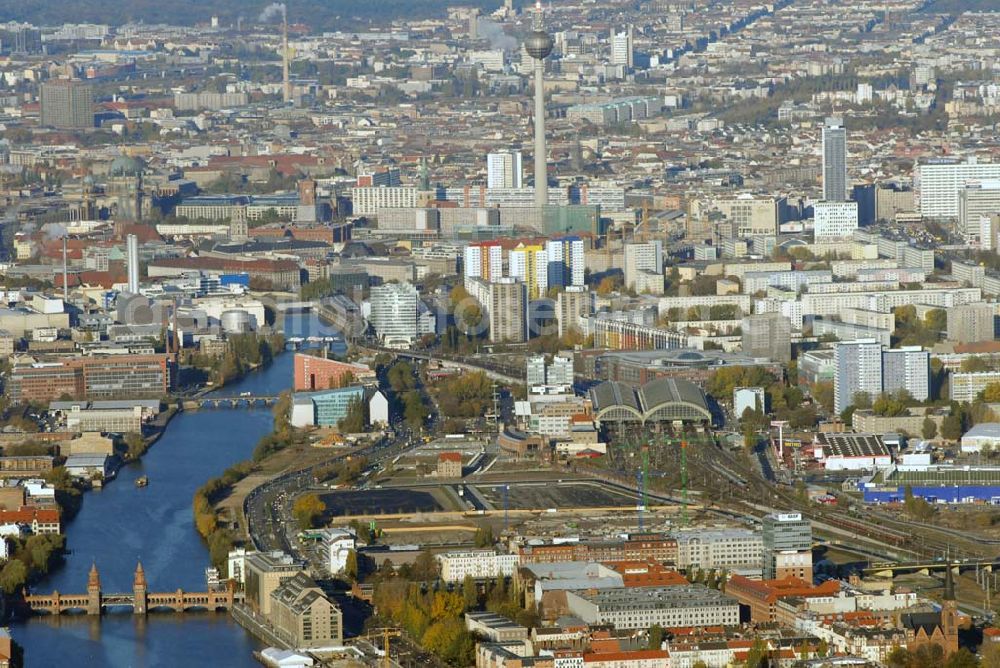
point(140, 599)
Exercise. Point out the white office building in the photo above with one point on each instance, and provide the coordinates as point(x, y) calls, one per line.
point(978, 202)
point(367, 201)
point(835, 220)
point(338, 543)
point(504, 170)
point(858, 369)
point(477, 564)
point(937, 184)
point(622, 52)
point(907, 368)
point(398, 315)
point(643, 258)
point(732, 549)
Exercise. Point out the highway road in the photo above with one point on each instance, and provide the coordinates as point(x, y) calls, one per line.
point(268, 507)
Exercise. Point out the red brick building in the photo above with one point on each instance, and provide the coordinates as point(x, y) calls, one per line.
point(639, 547)
point(761, 596)
point(317, 373)
point(105, 377)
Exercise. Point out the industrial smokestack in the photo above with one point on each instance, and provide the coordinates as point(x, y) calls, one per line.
point(132, 246)
point(286, 83)
point(65, 272)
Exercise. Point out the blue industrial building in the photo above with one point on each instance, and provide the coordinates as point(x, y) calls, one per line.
point(934, 484)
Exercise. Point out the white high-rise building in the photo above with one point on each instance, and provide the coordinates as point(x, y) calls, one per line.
point(535, 368)
point(508, 310)
point(560, 372)
point(483, 260)
point(907, 368)
point(865, 93)
point(834, 160)
point(835, 220)
point(395, 314)
point(530, 264)
point(938, 183)
point(565, 261)
point(622, 52)
point(858, 369)
point(978, 200)
point(366, 201)
point(642, 257)
point(132, 257)
point(504, 170)
point(571, 303)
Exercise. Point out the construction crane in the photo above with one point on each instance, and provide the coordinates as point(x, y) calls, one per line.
point(384, 634)
point(644, 235)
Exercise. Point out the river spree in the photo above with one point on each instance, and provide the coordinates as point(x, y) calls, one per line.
point(123, 523)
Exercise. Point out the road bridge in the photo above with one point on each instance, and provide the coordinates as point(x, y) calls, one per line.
point(465, 366)
point(889, 569)
point(142, 601)
point(252, 401)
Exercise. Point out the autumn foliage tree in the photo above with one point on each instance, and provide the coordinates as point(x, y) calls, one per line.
point(308, 510)
point(464, 395)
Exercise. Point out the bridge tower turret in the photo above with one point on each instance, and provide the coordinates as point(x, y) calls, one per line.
point(140, 591)
point(93, 591)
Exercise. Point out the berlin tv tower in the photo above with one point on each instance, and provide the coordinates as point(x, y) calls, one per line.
point(538, 44)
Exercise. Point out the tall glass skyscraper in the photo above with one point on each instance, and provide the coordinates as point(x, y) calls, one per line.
point(834, 160)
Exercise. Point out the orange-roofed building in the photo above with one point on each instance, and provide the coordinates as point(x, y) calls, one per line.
point(761, 596)
point(646, 658)
point(646, 574)
point(449, 465)
point(41, 520)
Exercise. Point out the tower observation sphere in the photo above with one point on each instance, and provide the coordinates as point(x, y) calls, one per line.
point(538, 45)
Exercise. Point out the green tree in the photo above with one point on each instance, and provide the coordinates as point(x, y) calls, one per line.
point(351, 565)
point(963, 658)
point(889, 406)
point(861, 400)
point(13, 576)
point(414, 410)
point(357, 417)
point(936, 319)
point(655, 636)
point(757, 656)
point(928, 429)
point(425, 567)
point(484, 536)
point(470, 592)
point(898, 657)
point(822, 392)
point(951, 427)
point(990, 654)
point(847, 415)
point(135, 445)
point(975, 363)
